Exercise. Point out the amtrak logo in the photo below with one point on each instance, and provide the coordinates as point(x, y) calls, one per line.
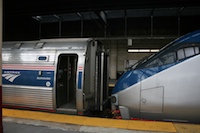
point(10, 77)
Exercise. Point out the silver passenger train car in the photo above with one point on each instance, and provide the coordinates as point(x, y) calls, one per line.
point(164, 86)
point(55, 75)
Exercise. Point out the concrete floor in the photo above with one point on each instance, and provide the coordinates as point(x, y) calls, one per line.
point(9, 127)
point(22, 121)
point(18, 125)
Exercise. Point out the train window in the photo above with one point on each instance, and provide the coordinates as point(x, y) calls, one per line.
point(180, 54)
point(165, 59)
point(187, 52)
point(153, 63)
point(171, 55)
point(196, 50)
point(168, 58)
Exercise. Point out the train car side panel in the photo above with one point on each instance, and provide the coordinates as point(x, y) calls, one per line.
point(130, 98)
point(58, 75)
point(29, 79)
point(181, 91)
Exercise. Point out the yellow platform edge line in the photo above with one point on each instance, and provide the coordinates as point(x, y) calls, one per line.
point(90, 121)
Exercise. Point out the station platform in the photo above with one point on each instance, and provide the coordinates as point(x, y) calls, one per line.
point(92, 123)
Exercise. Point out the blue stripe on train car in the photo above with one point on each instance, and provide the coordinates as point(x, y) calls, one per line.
point(80, 80)
point(28, 77)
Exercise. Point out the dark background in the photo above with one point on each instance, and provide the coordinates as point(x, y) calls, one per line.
point(79, 18)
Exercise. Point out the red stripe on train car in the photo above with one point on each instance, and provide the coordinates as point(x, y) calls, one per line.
point(27, 67)
point(80, 68)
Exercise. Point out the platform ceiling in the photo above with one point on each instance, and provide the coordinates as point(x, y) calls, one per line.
point(112, 14)
point(45, 7)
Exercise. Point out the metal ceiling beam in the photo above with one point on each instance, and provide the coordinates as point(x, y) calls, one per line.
point(103, 15)
point(152, 15)
point(60, 24)
point(179, 20)
point(81, 17)
point(125, 22)
point(180, 10)
point(101, 21)
point(37, 18)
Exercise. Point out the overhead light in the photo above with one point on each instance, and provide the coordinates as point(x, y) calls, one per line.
point(154, 50)
point(133, 50)
point(142, 50)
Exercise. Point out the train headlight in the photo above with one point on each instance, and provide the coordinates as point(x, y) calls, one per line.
point(113, 99)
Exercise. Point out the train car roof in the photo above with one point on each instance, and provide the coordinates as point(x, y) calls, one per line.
point(69, 43)
point(192, 37)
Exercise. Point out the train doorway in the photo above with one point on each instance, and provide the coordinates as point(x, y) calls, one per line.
point(66, 83)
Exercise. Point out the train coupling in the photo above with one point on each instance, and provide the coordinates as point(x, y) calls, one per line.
point(121, 112)
point(116, 114)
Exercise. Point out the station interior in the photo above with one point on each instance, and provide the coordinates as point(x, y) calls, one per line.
point(131, 30)
point(121, 25)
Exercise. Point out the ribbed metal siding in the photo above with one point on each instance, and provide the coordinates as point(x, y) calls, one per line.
point(26, 97)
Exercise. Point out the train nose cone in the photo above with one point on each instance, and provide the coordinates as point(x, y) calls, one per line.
point(126, 80)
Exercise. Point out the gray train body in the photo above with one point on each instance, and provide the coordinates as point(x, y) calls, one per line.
point(56, 75)
point(165, 86)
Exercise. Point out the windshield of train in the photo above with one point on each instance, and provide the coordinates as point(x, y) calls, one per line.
point(171, 54)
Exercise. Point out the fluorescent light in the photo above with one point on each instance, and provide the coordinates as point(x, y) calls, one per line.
point(142, 50)
point(133, 50)
point(154, 50)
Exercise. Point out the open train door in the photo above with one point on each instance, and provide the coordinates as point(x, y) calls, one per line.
point(66, 83)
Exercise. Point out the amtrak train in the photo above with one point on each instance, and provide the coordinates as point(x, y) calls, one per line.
point(164, 86)
point(56, 75)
